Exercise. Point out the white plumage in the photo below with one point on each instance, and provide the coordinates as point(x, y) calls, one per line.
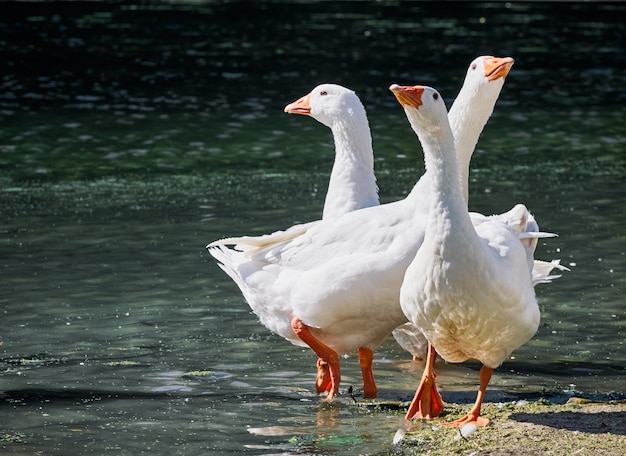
point(336, 282)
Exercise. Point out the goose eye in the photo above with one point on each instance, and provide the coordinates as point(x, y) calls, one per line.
point(474, 66)
point(323, 93)
point(435, 96)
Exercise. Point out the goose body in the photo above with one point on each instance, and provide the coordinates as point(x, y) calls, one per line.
point(334, 285)
point(470, 287)
point(345, 269)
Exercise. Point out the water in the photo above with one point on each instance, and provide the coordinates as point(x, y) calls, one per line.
point(132, 135)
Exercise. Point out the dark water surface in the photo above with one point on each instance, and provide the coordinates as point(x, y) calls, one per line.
point(131, 135)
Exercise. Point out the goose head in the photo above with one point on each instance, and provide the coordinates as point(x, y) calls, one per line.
point(484, 78)
point(328, 104)
point(424, 107)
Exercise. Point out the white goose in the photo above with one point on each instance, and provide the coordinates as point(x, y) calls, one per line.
point(352, 183)
point(468, 116)
point(469, 287)
point(359, 257)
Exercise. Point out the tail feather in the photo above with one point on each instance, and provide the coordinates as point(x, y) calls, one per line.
point(255, 243)
point(227, 261)
point(527, 229)
point(542, 271)
point(536, 235)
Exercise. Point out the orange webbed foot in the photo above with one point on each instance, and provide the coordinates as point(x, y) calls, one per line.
point(470, 418)
point(323, 383)
point(473, 417)
point(427, 403)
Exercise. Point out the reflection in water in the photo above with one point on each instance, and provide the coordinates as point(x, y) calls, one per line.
point(132, 135)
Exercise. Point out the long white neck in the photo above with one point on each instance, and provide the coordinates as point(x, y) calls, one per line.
point(352, 182)
point(448, 219)
point(468, 116)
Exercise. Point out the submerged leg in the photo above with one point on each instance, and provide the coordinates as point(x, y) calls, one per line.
point(324, 352)
point(474, 414)
point(322, 382)
point(366, 356)
point(427, 402)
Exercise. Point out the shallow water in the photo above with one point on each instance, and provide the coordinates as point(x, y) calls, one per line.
point(121, 335)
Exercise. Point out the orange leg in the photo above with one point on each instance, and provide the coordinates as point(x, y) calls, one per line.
point(427, 402)
point(366, 356)
point(474, 414)
point(322, 383)
point(324, 352)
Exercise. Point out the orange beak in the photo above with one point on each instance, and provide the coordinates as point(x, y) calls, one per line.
point(497, 67)
point(301, 106)
point(408, 95)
